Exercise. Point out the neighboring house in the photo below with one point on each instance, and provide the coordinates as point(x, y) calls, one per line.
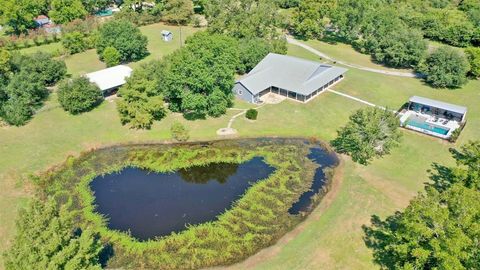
point(42, 20)
point(110, 79)
point(433, 117)
point(167, 35)
point(288, 76)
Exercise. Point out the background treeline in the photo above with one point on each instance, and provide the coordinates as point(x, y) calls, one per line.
point(394, 32)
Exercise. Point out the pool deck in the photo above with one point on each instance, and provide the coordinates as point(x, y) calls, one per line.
point(450, 125)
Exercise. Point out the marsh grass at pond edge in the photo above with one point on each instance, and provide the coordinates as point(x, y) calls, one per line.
point(254, 221)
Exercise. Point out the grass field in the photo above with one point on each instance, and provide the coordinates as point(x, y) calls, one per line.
point(332, 237)
point(346, 53)
point(85, 62)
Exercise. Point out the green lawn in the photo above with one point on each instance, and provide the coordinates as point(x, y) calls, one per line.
point(85, 62)
point(346, 53)
point(332, 237)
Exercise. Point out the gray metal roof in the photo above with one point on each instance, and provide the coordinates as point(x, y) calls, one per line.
point(439, 104)
point(289, 73)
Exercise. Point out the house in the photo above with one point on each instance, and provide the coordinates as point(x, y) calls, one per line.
point(42, 20)
point(167, 35)
point(291, 77)
point(110, 79)
point(433, 117)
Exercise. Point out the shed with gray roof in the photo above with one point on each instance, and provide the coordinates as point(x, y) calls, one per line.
point(293, 77)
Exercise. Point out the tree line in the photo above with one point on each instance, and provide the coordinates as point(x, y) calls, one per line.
point(394, 33)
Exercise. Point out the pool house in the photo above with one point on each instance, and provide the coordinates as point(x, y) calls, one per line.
point(288, 77)
point(433, 117)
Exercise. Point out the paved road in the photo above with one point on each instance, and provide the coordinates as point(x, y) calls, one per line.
point(385, 72)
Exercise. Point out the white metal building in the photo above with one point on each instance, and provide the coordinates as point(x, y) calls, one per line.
point(110, 79)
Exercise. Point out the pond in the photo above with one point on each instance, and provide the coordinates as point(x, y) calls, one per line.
point(152, 204)
point(323, 159)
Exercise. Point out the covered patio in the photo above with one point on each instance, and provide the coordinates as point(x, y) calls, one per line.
point(433, 117)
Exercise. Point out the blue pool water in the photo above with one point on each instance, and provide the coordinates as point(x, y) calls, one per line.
point(423, 125)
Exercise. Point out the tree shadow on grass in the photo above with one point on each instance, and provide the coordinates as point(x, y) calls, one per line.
point(441, 177)
point(192, 116)
point(377, 239)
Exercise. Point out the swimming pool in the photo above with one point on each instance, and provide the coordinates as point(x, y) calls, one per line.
point(419, 123)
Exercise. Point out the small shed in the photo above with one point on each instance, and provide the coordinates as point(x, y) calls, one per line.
point(42, 20)
point(167, 35)
point(110, 79)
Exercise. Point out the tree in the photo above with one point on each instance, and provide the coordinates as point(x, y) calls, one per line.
point(450, 26)
point(390, 41)
point(93, 5)
point(244, 18)
point(191, 75)
point(252, 51)
point(74, 42)
point(402, 47)
point(111, 56)
point(288, 3)
point(438, 230)
point(310, 18)
point(466, 171)
point(17, 15)
point(23, 94)
point(79, 95)
point(371, 132)
point(5, 67)
point(177, 11)
point(141, 101)
point(349, 17)
point(125, 38)
point(473, 56)
point(445, 67)
point(179, 132)
point(50, 70)
point(46, 239)
point(64, 11)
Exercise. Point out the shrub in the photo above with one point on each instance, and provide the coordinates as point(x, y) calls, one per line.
point(16, 111)
point(371, 132)
point(179, 132)
point(111, 56)
point(79, 95)
point(251, 114)
point(473, 56)
point(123, 36)
point(74, 42)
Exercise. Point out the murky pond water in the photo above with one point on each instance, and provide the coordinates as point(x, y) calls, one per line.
point(152, 204)
point(324, 159)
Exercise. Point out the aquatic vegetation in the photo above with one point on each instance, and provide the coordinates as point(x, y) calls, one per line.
point(254, 221)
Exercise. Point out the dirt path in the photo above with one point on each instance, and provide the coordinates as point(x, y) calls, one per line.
point(293, 41)
point(272, 251)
